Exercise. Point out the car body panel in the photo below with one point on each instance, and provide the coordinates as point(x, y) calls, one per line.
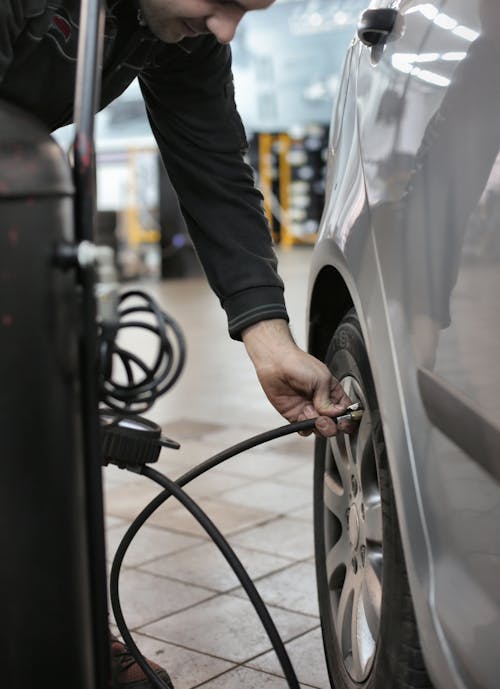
point(412, 224)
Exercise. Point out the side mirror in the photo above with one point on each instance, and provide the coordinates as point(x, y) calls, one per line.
point(376, 26)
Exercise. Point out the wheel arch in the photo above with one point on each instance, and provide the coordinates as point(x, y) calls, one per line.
point(325, 312)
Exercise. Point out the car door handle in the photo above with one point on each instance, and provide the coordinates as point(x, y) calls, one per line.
point(376, 26)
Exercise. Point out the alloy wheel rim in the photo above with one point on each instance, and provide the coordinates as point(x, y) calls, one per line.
point(353, 540)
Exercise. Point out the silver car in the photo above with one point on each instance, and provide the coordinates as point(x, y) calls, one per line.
point(404, 306)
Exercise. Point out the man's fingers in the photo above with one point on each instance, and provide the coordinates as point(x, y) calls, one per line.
point(326, 426)
point(333, 404)
point(330, 398)
point(308, 412)
point(338, 395)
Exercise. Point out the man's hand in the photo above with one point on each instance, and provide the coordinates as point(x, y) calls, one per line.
point(297, 385)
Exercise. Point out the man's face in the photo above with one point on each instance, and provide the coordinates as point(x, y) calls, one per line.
point(173, 20)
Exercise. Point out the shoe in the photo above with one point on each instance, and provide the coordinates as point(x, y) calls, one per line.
point(127, 673)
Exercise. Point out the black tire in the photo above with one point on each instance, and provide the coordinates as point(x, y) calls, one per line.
point(361, 576)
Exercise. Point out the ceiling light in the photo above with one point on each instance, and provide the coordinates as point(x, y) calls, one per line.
point(445, 22)
point(453, 57)
point(401, 63)
point(315, 19)
point(465, 32)
point(430, 77)
point(426, 57)
point(428, 10)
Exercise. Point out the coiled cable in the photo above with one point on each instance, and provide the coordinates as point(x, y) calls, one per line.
point(140, 384)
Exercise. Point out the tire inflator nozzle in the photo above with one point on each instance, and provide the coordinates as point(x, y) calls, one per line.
point(353, 413)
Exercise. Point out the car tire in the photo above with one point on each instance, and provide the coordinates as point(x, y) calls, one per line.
point(369, 631)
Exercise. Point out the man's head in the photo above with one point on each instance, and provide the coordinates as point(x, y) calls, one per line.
point(173, 20)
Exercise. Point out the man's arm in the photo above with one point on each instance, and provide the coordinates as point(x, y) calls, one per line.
point(191, 108)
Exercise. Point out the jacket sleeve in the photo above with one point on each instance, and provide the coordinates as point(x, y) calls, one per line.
point(190, 103)
point(14, 16)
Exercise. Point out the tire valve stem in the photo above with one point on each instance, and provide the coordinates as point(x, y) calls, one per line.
point(353, 413)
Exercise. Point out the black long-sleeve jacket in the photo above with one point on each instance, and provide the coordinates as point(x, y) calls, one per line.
point(189, 96)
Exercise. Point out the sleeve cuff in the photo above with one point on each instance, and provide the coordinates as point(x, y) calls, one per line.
point(254, 305)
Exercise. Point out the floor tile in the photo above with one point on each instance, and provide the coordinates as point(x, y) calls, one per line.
point(127, 500)
point(175, 463)
point(227, 517)
point(291, 538)
point(205, 565)
point(256, 464)
point(308, 660)
point(214, 484)
point(253, 464)
point(227, 627)
point(295, 445)
point(190, 454)
point(110, 522)
point(149, 543)
point(245, 678)
point(301, 476)
point(293, 588)
point(269, 495)
point(145, 597)
point(113, 476)
point(232, 434)
point(305, 513)
point(189, 429)
point(186, 668)
point(194, 453)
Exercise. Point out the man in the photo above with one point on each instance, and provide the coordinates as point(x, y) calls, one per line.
point(179, 51)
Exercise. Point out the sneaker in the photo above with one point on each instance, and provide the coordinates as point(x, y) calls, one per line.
point(127, 673)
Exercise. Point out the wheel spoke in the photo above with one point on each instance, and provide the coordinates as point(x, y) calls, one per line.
point(372, 599)
point(373, 521)
point(351, 453)
point(334, 497)
point(363, 641)
point(339, 457)
point(343, 618)
point(359, 449)
point(356, 640)
point(356, 441)
point(337, 557)
point(348, 385)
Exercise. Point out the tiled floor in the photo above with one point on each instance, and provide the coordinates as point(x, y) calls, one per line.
point(179, 596)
